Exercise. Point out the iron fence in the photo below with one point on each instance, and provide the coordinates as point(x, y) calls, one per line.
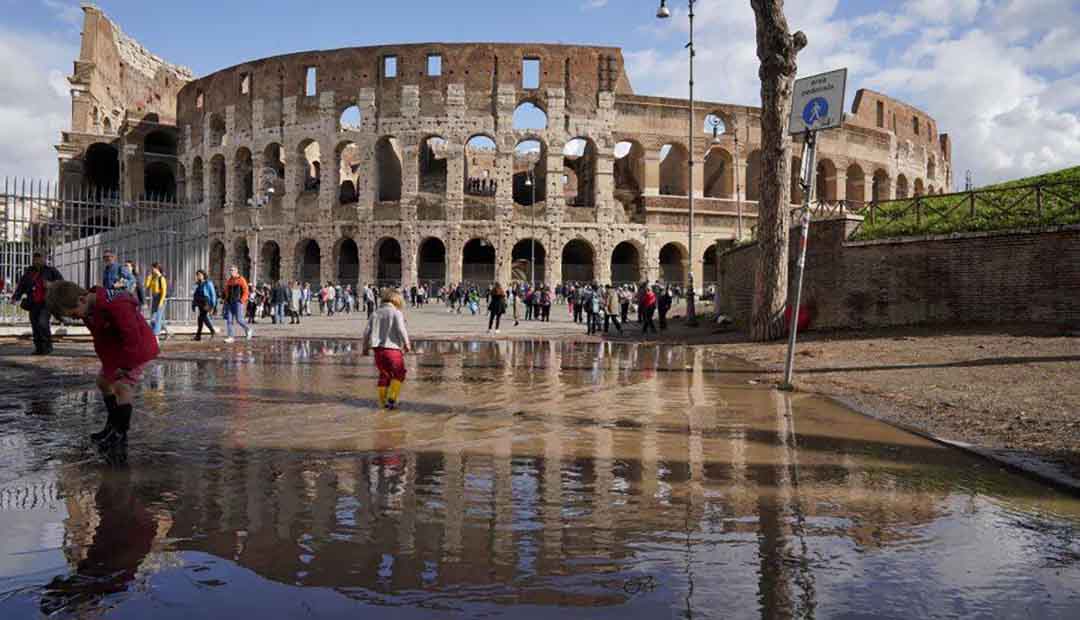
point(73, 227)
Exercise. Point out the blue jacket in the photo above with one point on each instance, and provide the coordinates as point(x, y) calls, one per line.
point(115, 273)
point(205, 289)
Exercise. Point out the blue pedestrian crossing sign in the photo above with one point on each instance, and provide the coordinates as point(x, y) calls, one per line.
point(818, 102)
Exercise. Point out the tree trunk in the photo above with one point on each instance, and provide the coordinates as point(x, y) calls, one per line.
point(777, 49)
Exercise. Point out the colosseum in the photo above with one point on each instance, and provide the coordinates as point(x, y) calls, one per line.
point(455, 162)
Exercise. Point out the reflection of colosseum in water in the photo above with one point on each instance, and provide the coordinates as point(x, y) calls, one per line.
point(439, 162)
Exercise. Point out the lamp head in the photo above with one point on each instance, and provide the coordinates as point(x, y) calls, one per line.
point(528, 181)
point(663, 12)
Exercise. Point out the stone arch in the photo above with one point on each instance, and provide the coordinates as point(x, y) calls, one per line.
point(242, 257)
point(879, 188)
point(272, 173)
point(579, 158)
point(217, 131)
point(101, 166)
point(197, 184)
point(388, 262)
point(348, 156)
point(478, 261)
point(825, 183)
point(753, 176)
point(530, 155)
point(350, 118)
point(159, 143)
point(717, 123)
point(431, 262)
point(347, 259)
point(530, 115)
point(930, 190)
point(920, 189)
point(388, 169)
point(901, 186)
point(626, 263)
point(719, 174)
point(674, 170)
point(673, 263)
point(578, 261)
point(216, 268)
point(217, 181)
point(159, 183)
point(309, 160)
point(521, 257)
point(270, 262)
point(308, 261)
point(931, 167)
point(431, 165)
point(481, 165)
point(629, 166)
point(855, 186)
point(710, 275)
point(244, 169)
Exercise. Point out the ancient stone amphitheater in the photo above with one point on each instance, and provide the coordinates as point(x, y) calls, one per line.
point(448, 162)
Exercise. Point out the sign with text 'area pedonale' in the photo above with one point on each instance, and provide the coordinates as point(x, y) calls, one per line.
point(818, 102)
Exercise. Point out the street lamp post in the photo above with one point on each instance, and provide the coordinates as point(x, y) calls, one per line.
point(691, 315)
point(532, 236)
point(256, 205)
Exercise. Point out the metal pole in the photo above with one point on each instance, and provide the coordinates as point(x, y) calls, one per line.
point(691, 314)
point(810, 168)
point(738, 189)
point(532, 235)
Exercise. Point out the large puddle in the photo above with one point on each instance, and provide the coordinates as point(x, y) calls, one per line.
point(524, 479)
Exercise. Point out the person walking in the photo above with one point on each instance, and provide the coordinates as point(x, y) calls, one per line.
point(331, 298)
point(305, 300)
point(496, 306)
point(663, 306)
point(296, 303)
point(646, 306)
point(236, 297)
point(369, 299)
point(388, 337)
point(577, 298)
point(115, 275)
point(611, 308)
point(32, 287)
point(514, 299)
point(203, 300)
point(279, 298)
point(158, 288)
point(545, 305)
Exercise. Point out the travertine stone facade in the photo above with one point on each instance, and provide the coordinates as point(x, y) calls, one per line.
point(423, 162)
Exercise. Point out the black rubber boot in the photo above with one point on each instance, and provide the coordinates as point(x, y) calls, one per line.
point(115, 437)
point(110, 406)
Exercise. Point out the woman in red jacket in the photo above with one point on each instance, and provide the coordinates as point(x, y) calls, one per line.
point(647, 300)
point(123, 342)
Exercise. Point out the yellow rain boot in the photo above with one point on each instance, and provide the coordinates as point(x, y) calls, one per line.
point(382, 396)
point(392, 395)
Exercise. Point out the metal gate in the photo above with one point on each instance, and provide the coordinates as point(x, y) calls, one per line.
point(74, 227)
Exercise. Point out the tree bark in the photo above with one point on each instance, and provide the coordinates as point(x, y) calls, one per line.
point(777, 49)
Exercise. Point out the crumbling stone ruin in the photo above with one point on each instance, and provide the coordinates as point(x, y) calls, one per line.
point(440, 162)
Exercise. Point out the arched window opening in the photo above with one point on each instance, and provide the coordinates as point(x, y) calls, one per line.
point(348, 156)
point(710, 275)
point(197, 183)
point(309, 262)
point(715, 125)
point(348, 262)
point(673, 264)
point(529, 116)
point(217, 130)
point(159, 183)
point(855, 186)
point(217, 263)
point(629, 167)
point(388, 262)
point(244, 168)
point(478, 262)
point(431, 262)
point(578, 262)
point(242, 258)
point(825, 184)
point(310, 161)
point(674, 170)
point(719, 174)
point(431, 160)
point(101, 165)
point(625, 264)
point(524, 267)
point(919, 189)
point(931, 168)
point(480, 166)
point(350, 119)
point(388, 169)
point(530, 172)
point(270, 262)
point(159, 143)
point(880, 188)
point(579, 165)
point(217, 182)
point(272, 173)
point(901, 186)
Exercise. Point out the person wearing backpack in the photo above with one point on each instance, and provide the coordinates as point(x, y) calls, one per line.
point(32, 286)
point(204, 300)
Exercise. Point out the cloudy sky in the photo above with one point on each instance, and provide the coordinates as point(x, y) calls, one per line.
point(1001, 76)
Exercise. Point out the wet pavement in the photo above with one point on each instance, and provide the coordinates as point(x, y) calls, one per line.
point(519, 478)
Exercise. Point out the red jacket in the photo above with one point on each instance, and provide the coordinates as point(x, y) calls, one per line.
point(648, 300)
point(122, 337)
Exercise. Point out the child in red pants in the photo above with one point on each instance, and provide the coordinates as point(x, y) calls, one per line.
point(387, 335)
point(123, 342)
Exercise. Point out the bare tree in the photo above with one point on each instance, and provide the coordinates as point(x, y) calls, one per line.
point(777, 49)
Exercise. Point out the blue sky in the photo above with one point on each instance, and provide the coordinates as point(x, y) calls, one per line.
point(1001, 76)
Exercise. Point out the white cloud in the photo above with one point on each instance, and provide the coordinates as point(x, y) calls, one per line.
point(34, 102)
point(593, 4)
point(1002, 78)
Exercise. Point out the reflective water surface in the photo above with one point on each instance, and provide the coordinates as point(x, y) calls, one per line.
point(525, 479)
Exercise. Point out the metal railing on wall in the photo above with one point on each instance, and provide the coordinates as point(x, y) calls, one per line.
point(73, 227)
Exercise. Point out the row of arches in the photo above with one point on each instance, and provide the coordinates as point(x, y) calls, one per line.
point(528, 258)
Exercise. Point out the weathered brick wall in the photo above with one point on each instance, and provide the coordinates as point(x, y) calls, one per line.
point(976, 277)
